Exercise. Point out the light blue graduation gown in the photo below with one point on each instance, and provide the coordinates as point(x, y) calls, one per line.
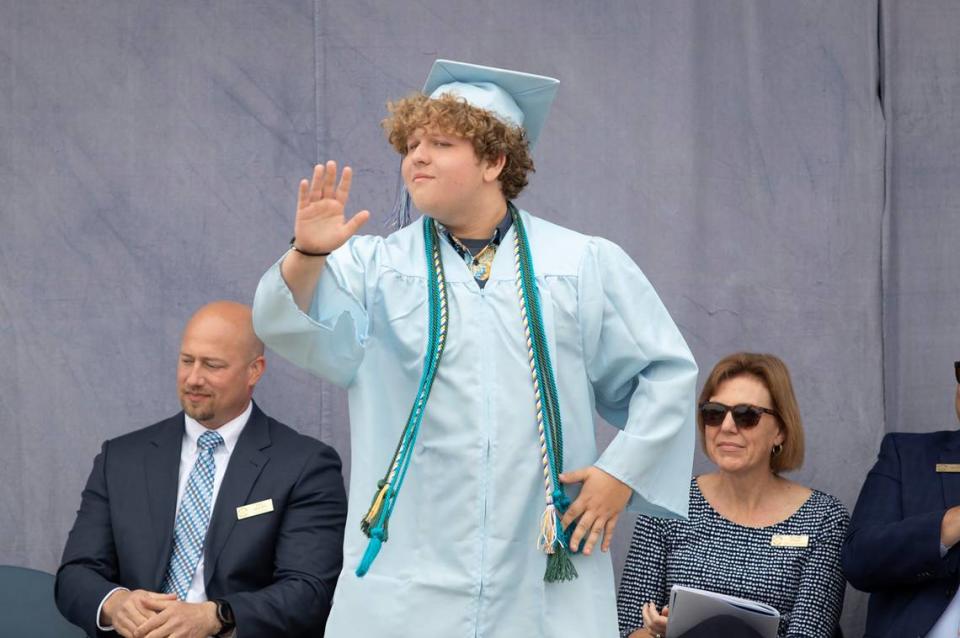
point(462, 559)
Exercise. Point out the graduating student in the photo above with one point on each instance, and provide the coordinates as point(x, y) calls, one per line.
point(475, 344)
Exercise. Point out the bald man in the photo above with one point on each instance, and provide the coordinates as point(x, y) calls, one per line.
point(218, 521)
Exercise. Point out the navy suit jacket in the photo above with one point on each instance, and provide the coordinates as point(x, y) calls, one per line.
point(892, 547)
point(277, 570)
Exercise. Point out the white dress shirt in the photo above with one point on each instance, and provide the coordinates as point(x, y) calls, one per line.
point(230, 432)
point(948, 626)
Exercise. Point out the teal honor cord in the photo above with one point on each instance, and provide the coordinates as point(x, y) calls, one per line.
point(551, 539)
point(374, 523)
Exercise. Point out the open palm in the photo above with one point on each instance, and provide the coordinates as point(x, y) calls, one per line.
point(321, 226)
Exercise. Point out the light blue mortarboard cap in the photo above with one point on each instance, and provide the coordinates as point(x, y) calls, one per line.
point(522, 99)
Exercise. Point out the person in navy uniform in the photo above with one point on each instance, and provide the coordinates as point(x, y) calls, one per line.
point(902, 544)
point(216, 521)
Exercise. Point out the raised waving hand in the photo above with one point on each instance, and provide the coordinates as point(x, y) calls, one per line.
point(320, 228)
point(321, 225)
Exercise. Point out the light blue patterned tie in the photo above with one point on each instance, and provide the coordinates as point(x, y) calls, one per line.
point(192, 519)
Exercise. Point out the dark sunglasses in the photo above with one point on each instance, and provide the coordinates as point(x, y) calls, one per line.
point(956, 370)
point(744, 414)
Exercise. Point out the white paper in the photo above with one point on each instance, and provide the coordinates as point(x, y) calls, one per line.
point(689, 607)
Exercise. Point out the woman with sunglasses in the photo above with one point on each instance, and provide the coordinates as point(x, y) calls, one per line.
point(751, 532)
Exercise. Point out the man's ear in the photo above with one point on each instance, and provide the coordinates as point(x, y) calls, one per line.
point(257, 367)
point(493, 168)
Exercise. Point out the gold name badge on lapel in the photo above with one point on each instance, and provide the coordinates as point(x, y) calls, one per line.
point(254, 509)
point(790, 540)
point(951, 468)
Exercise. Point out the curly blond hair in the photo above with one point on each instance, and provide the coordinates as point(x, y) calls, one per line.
point(451, 115)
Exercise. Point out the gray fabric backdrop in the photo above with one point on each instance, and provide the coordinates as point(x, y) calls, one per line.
point(784, 172)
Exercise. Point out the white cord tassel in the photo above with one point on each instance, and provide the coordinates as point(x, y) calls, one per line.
point(548, 530)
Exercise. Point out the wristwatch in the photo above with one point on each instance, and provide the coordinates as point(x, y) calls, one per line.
point(225, 616)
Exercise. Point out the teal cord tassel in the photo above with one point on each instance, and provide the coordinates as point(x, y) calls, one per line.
point(559, 566)
point(377, 537)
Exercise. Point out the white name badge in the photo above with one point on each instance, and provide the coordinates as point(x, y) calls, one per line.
point(254, 509)
point(790, 540)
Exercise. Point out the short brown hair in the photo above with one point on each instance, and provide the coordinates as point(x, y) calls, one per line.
point(490, 136)
point(772, 372)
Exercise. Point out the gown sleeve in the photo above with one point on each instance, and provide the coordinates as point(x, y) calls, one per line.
point(643, 376)
point(329, 340)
